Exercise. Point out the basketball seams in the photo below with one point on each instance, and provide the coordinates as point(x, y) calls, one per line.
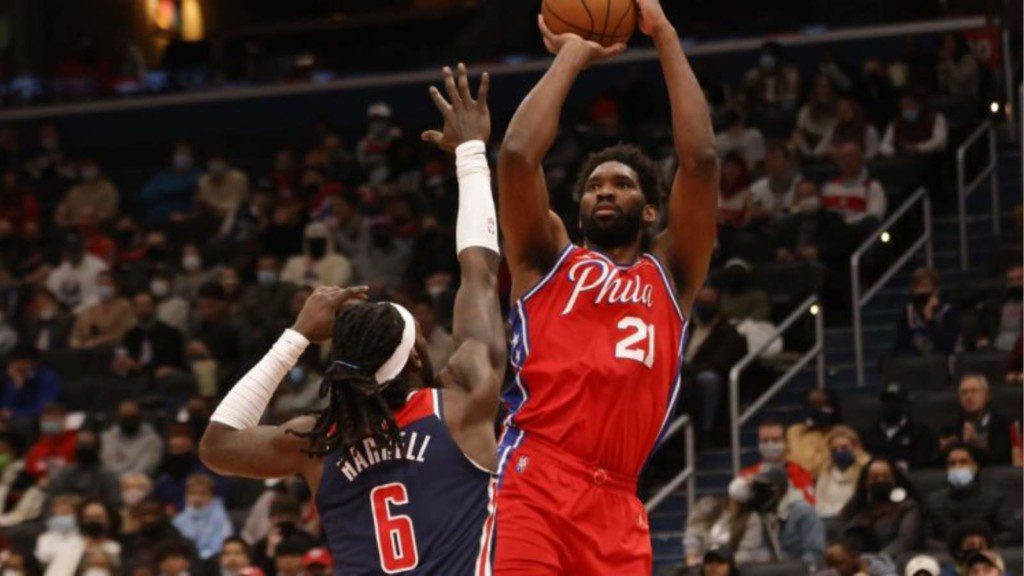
point(574, 28)
point(630, 7)
point(590, 15)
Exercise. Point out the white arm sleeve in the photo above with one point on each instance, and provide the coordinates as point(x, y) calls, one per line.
point(477, 224)
point(244, 405)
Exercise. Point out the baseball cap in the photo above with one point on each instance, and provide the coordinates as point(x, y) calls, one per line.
point(317, 556)
point(990, 557)
point(379, 110)
point(922, 563)
point(774, 476)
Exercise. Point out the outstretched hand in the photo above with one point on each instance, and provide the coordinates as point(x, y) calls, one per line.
point(652, 16)
point(465, 118)
point(316, 319)
point(594, 51)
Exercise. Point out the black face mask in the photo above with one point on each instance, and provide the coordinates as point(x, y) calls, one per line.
point(317, 247)
point(892, 412)
point(705, 313)
point(87, 455)
point(130, 425)
point(736, 278)
point(1015, 292)
point(94, 529)
point(179, 465)
point(880, 492)
point(920, 300)
point(762, 497)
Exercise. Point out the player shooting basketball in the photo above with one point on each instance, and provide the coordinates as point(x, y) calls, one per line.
point(598, 330)
point(400, 461)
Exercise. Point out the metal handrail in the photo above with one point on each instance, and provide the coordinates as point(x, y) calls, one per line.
point(963, 189)
point(858, 300)
point(689, 473)
point(813, 305)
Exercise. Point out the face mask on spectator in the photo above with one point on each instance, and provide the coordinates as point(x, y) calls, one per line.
point(94, 529)
point(379, 129)
point(105, 292)
point(880, 492)
point(705, 312)
point(317, 247)
point(182, 161)
point(87, 454)
point(892, 412)
point(51, 427)
point(130, 425)
point(61, 524)
point(90, 173)
point(133, 496)
point(96, 572)
point(910, 115)
point(843, 459)
point(820, 416)
point(772, 451)
point(768, 61)
point(179, 465)
point(809, 205)
point(217, 168)
point(191, 262)
point(920, 300)
point(266, 277)
point(160, 287)
point(960, 477)
point(47, 314)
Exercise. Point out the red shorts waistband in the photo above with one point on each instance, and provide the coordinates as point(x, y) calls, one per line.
point(554, 456)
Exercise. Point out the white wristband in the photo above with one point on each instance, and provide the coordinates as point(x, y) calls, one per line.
point(477, 223)
point(244, 405)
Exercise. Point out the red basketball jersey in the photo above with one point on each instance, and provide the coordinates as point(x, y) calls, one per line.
point(597, 350)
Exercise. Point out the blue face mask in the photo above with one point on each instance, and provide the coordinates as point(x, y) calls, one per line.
point(960, 477)
point(60, 524)
point(266, 277)
point(768, 61)
point(51, 427)
point(843, 459)
point(911, 115)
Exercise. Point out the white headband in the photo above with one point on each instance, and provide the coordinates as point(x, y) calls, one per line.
point(396, 363)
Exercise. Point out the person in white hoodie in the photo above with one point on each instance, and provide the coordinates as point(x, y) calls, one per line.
point(319, 264)
point(838, 479)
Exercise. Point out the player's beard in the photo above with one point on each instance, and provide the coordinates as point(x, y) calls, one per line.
point(620, 231)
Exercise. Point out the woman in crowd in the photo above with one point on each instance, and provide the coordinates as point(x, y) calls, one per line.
point(885, 514)
point(725, 521)
point(98, 526)
point(838, 479)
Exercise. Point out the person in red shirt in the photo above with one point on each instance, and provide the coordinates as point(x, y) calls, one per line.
point(56, 446)
point(771, 443)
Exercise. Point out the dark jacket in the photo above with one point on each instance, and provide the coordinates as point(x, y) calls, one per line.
point(29, 400)
point(166, 344)
point(264, 561)
point(913, 444)
point(57, 330)
point(997, 449)
point(888, 528)
point(723, 347)
point(978, 502)
point(91, 483)
point(917, 337)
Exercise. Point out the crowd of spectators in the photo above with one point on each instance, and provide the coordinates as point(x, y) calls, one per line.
point(164, 295)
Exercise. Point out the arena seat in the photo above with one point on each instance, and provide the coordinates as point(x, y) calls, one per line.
point(69, 364)
point(1014, 559)
point(860, 412)
point(936, 410)
point(928, 481)
point(990, 363)
point(924, 374)
point(794, 568)
point(1010, 482)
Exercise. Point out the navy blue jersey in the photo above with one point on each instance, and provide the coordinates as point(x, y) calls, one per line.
point(425, 510)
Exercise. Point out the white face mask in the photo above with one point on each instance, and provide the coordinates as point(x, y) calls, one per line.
point(809, 205)
point(160, 288)
point(191, 263)
point(96, 572)
point(772, 451)
point(133, 496)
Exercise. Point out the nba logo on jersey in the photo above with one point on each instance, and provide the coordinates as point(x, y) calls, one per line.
point(522, 463)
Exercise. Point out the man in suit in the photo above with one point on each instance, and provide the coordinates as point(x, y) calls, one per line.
point(151, 347)
point(978, 424)
point(47, 324)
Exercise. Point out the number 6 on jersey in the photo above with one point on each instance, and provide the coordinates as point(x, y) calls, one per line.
point(396, 540)
point(640, 331)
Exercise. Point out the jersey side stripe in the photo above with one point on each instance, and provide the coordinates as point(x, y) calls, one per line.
point(673, 396)
point(483, 561)
point(554, 269)
point(669, 287)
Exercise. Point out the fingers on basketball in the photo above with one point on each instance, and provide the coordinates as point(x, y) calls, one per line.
point(607, 22)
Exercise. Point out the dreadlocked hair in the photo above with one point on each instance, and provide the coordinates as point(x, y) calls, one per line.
point(365, 336)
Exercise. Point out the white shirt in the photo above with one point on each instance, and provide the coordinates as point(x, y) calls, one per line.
point(749, 143)
point(855, 199)
point(76, 285)
point(937, 143)
point(762, 196)
point(870, 144)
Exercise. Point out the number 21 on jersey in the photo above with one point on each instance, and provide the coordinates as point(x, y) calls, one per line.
point(638, 345)
point(396, 539)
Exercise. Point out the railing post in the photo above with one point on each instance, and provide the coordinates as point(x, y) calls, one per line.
point(994, 180)
point(691, 464)
point(858, 344)
point(929, 247)
point(1010, 102)
point(819, 338)
point(961, 204)
point(734, 418)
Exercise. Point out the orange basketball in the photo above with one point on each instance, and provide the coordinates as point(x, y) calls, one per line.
point(604, 21)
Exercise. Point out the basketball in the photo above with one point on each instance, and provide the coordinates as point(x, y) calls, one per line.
point(606, 22)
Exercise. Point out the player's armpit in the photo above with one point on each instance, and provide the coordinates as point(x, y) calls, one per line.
point(261, 452)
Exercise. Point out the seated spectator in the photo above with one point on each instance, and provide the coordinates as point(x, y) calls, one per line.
point(771, 445)
point(439, 341)
point(99, 563)
point(928, 326)
point(740, 299)
point(131, 445)
point(877, 93)
point(317, 562)
point(772, 195)
point(171, 309)
point(97, 528)
point(93, 201)
point(711, 351)
point(838, 479)
point(843, 559)
point(727, 522)
point(958, 70)
point(192, 275)
point(917, 131)
point(807, 440)
point(167, 196)
point(382, 137)
point(774, 84)
point(135, 488)
point(968, 498)
point(719, 562)
point(319, 264)
point(734, 192)
point(19, 209)
point(141, 547)
point(978, 424)
point(86, 476)
point(288, 557)
point(793, 530)
point(174, 558)
point(76, 280)
point(180, 462)
point(56, 445)
point(20, 500)
point(854, 194)
point(284, 517)
point(235, 556)
point(817, 117)
point(885, 514)
point(381, 258)
point(47, 324)
point(922, 565)
point(204, 520)
point(746, 141)
point(28, 386)
point(850, 127)
point(151, 347)
point(1000, 326)
point(266, 306)
point(222, 189)
point(61, 528)
point(813, 233)
point(986, 563)
point(104, 322)
point(214, 340)
point(966, 540)
point(896, 435)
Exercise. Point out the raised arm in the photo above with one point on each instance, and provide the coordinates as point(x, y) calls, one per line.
point(533, 233)
point(234, 444)
point(693, 202)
